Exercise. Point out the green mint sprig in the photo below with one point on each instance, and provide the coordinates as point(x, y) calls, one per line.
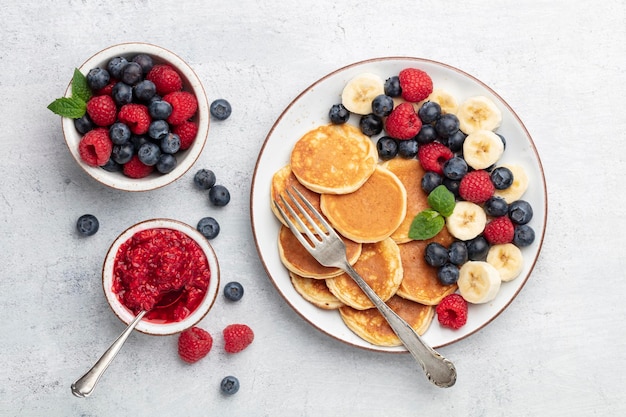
point(75, 106)
point(428, 223)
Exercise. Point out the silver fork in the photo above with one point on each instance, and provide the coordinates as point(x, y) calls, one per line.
point(329, 250)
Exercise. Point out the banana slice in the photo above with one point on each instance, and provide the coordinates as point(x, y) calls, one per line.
point(467, 220)
point(478, 113)
point(479, 282)
point(482, 148)
point(446, 100)
point(507, 259)
point(518, 187)
point(359, 92)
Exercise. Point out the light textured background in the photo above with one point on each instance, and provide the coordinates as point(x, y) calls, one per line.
point(559, 348)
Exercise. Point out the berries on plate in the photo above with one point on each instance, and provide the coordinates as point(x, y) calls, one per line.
point(338, 114)
point(194, 344)
point(452, 311)
point(233, 291)
point(237, 337)
point(476, 187)
point(387, 147)
point(370, 124)
point(416, 84)
point(229, 385)
point(220, 109)
point(433, 155)
point(87, 225)
point(499, 230)
point(95, 147)
point(403, 122)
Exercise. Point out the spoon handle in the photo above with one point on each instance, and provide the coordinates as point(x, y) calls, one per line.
point(84, 386)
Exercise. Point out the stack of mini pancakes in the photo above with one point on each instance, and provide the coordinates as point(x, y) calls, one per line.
point(371, 205)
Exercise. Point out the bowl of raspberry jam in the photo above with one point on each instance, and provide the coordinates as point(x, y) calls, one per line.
point(164, 267)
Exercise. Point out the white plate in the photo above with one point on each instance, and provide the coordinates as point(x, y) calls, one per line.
point(309, 110)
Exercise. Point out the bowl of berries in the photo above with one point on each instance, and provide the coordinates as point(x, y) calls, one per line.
point(135, 116)
point(165, 268)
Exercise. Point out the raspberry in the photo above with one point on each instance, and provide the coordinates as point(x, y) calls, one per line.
point(403, 122)
point(452, 311)
point(433, 155)
point(416, 84)
point(476, 186)
point(165, 78)
point(499, 230)
point(137, 169)
point(136, 117)
point(237, 337)
point(184, 106)
point(95, 147)
point(186, 131)
point(102, 110)
point(107, 89)
point(194, 344)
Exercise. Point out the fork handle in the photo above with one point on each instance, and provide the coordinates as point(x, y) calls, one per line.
point(439, 370)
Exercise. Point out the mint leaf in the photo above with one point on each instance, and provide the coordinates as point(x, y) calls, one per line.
point(71, 107)
point(442, 200)
point(427, 224)
point(80, 88)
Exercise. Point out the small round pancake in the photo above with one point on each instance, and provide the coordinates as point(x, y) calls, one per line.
point(315, 291)
point(410, 173)
point(420, 282)
point(371, 213)
point(372, 327)
point(380, 266)
point(333, 159)
point(298, 260)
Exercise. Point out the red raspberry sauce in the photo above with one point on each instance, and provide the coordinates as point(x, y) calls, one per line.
point(155, 262)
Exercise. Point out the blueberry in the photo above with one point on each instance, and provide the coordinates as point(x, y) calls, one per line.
point(496, 206)
point(144, 61)
point(122, 93)
point(457, 253)
point(166, 163)
point(158, 129)
point(138, 141)
point(111, 166)
point(448, 274)
point(116, 65)
point(119, 133)
point(229, 385)
point(456, 140)
point(502, 178)
point(520, 212)
point(170, 143)
point(447, 125)
point(98, 78)
point(452, 185)
point(477, 248)
point(407, 148)
point(87, 225)
point(208, 227)
point(149, 153)
point(392, 86)
point(370, 124)
point(159, 109)
point(220, 109)
point(503, 139)
point(132, 73)
point(233, 291)
point(429, 112)
point(338, 114)
point(426, 134)
point(219, 195)
point(83, 124)
point(430, 181)
point(144, 90)
point(382, 105)
point(524, 235)
point(436, 254)
point(123, 153)
point(387, 147)
point(204, 179)
point(455, 168)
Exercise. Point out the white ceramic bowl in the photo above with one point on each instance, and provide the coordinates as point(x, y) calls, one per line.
point(146, 326)
point(185, 158)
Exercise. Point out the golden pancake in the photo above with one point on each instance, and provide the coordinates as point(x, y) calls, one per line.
point(410, 173)
point(334, 159)
point(298, 260)
point(371, 213)
point(371, 326)
point(380, 266)
point(315, 291)
point(420, 282)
